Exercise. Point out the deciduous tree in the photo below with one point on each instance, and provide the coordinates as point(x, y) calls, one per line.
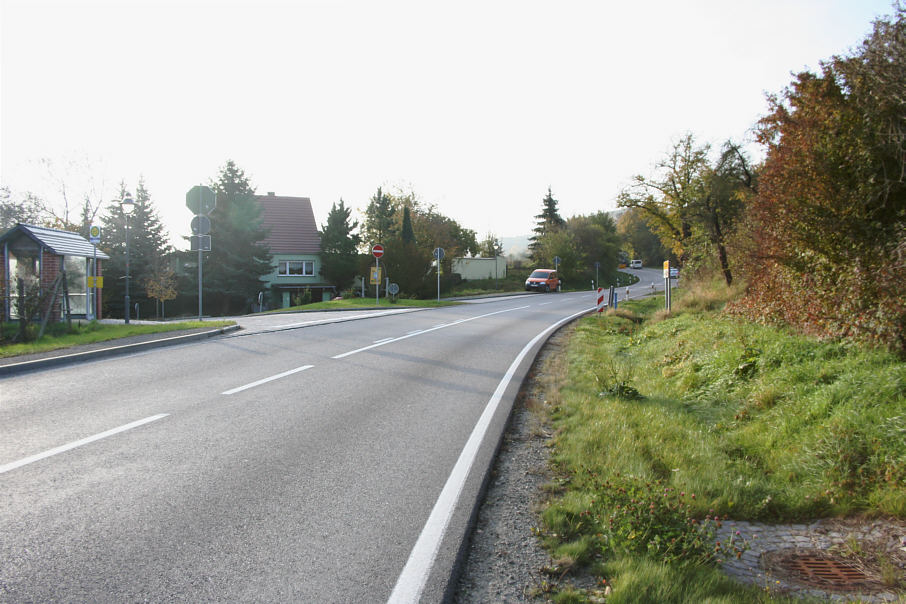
point(830, 214)
point(27, 210)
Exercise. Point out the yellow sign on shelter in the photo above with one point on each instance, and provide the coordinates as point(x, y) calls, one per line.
point(97, 282)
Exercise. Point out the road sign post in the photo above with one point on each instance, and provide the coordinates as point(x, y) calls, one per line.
point(94, 238)
point(377, 251)
point(201, 200)
point(438, 256)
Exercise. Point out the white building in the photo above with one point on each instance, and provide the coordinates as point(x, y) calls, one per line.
point(480, 268)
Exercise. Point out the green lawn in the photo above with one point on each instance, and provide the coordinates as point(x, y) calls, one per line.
point(665, 424)
point(57, 336)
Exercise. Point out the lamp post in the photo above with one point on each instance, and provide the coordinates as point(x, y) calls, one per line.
point(128, 206)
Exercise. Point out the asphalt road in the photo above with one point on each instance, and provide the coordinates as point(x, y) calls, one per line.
point(294, 461)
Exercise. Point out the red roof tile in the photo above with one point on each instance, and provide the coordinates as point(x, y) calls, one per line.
point(292, 225)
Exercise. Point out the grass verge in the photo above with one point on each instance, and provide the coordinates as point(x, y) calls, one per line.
point(58, 336)
point(668, 424)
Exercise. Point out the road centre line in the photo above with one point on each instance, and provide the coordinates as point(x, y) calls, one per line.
point(383, 340)
point(412, 580)
point(435, 328)
point(267, 379)
point(78, 443)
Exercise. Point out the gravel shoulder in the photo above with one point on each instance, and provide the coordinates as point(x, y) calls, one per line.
point(505, 561)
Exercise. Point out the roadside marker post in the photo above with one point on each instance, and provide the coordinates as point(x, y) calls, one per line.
point(600, 305)
point(667, 285)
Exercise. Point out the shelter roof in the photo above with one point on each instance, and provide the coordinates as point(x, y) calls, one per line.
point(62, 243)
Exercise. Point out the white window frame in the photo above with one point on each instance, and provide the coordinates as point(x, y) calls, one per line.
point(307, 266)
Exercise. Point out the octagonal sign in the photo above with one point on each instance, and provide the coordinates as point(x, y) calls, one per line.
point(201, 200)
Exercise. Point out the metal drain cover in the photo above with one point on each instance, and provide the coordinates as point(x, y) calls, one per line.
point(825, 572)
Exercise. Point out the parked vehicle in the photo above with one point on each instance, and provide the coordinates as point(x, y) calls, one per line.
point(635, 264)
point(543, 280)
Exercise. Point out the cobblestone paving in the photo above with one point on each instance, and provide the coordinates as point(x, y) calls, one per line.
point(822, 536)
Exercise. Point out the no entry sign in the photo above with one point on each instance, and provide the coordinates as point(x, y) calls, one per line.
point(377, 251)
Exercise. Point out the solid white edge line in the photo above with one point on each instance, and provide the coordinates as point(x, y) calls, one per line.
point(412, 580)
point(63, 448)
point(417, 333)
point(267, 379)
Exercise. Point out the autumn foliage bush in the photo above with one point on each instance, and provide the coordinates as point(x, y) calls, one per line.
point(828, 223)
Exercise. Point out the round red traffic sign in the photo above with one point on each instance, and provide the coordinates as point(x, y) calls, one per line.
point(378, 250)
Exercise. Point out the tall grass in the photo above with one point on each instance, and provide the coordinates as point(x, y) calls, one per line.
point(666, 426)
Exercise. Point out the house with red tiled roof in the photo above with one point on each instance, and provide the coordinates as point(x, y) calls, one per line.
point(296, 247)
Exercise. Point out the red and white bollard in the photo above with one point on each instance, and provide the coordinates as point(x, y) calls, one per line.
point(601, 305)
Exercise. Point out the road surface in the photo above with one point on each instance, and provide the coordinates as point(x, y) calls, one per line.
point(294, 461)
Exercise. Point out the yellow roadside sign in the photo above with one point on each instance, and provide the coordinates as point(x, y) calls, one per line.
point(97, 282)
point(376, 275)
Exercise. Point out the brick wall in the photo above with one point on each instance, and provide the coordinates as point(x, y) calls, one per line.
point(50, 268)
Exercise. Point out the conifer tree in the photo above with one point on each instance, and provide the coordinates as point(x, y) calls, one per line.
point(406, 233)
point(339, 244)
point(148, 248)
point(379, 219)
point(547, 222)
point(239, 256)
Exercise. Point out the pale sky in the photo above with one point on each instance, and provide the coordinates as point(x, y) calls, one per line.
point(476, 106)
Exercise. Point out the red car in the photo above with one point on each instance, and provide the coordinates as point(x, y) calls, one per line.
point(543, 280)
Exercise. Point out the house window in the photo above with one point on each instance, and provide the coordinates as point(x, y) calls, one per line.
point(296, 268)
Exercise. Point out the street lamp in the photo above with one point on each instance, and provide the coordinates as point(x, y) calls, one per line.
point(128, 206)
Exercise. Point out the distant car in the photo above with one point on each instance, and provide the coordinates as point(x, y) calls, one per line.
point(543, 280)
point(635, 264)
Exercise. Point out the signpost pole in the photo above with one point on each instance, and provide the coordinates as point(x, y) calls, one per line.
point(94, 238)
point(201, 200)
point(377, 250)
point(438, 257)
point(94, 285)
point(199, 276)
